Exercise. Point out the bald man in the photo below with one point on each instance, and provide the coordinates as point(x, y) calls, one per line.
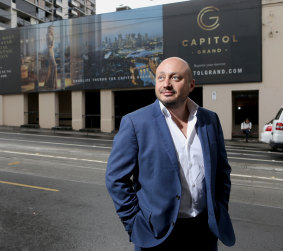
point(168, 173)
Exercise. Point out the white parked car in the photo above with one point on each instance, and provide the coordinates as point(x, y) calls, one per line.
point(273, 131)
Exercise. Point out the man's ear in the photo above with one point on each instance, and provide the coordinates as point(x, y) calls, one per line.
point(192, 85)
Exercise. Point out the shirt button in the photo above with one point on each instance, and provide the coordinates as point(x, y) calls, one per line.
point(178, 197)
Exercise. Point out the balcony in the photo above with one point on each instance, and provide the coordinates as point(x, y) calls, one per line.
point(73, 13)
point(50, 2)
point(81, 2)
point(81, 10)
point(46, 19)
point(92, 1)
point(5, 15)
point(5, 3)
point(88, 12)
point(59, 3)
point(90, 7)
point(48, 9)
point(22, 22)
point(74, 3)
point(42, 18)
point(59, 13)
point(32, 1)
point(4, 26)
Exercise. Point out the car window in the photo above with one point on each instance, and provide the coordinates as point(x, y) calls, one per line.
point(279, 113)
point(270, 122)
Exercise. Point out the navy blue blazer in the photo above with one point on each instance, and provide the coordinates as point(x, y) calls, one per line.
point(143, 176)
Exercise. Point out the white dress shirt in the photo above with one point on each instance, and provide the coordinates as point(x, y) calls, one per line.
point(190, 157)
point(245, 125)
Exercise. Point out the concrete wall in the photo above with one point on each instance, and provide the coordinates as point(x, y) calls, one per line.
point(78, 110)
point(107, 123)
point(271, 89)
point(14, 108)
point(48, 109)
point(1, 110)
point(223, 103)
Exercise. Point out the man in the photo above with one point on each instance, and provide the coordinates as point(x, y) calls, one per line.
point(168, 173)
point(246, 127)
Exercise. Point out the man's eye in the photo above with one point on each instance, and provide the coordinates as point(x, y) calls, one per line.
point(175, 78)
point(161, 78)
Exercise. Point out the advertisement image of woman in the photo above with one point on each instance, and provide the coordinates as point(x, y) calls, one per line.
point(51, 78)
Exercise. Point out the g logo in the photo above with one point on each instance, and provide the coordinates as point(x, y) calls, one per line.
point(204, 26)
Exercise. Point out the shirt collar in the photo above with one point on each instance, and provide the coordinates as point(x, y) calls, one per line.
point(192, 106)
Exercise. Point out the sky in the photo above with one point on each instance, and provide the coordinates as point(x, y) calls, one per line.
point(103, 6)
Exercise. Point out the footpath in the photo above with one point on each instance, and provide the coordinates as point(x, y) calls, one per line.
point(57, 131)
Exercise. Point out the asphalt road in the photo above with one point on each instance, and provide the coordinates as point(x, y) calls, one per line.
point(53, 195)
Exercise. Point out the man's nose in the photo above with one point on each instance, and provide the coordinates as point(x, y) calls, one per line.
point(167, 83)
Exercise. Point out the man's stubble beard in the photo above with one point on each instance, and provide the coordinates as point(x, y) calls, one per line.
point(174, 104)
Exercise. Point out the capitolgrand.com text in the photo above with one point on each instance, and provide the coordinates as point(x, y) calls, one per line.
point(218, 72)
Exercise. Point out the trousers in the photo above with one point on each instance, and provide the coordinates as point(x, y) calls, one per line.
point(247, 133)
point(188, 234)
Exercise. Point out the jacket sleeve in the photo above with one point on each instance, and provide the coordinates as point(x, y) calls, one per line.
point(223, 182)
point(122, 164)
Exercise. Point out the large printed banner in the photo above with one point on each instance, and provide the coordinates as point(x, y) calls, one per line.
point(10, 62)
point(220, 39)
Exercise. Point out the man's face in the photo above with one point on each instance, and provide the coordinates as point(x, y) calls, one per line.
point(173, 82)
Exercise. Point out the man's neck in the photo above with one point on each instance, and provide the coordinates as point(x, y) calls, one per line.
point(181, 113)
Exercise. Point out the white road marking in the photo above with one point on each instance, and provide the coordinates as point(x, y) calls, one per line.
point(256, 186)
point(105, 162)
point(52, 156)
point(54, 143)
point(256, 177)
point(235, 148)
point(261, 160)
point(53, 136)
point(244, 154)
point(254, 204)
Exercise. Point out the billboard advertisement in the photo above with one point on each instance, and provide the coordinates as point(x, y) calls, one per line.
point(221, 41)
point(10, 61)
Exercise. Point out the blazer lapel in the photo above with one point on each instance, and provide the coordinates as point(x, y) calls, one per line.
point(201, 129)
point(164, 135)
